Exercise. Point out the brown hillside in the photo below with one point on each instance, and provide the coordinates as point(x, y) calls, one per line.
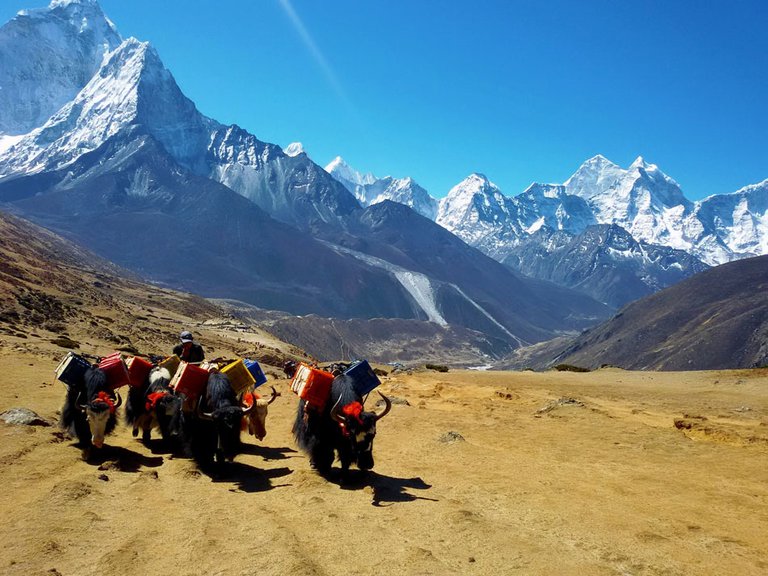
point(55, 296)
point(715, 320)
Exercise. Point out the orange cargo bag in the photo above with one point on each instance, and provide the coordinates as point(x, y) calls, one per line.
point(190, 380)
point(312, 385)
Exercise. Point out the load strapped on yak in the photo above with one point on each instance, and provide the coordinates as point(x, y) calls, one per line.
point(188, 378)
point(313, 385)
point(191, 378)
point(73, 367)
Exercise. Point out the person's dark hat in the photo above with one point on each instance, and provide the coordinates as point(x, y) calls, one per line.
point(186, 336)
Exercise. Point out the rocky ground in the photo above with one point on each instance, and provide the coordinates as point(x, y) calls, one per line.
point(601, 473)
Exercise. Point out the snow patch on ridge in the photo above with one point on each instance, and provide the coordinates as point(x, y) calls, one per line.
point(491, 318)
point(417, 285)
point(7, 142)
point(294, 149)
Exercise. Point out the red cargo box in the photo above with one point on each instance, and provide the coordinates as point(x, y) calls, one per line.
point(116, 370)
point(312, 385)
point(190, 380)
point(138, 370)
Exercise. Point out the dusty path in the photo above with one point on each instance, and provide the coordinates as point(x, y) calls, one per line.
point(483, 473)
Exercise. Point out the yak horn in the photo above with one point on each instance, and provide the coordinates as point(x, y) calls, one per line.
point(119, 400)
point(274, 396)
point(335, 413)
point(387, 408)
point(200, 414)
point(247, 409)
point(81, 407)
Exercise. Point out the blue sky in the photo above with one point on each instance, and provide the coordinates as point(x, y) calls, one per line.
point(520, 90)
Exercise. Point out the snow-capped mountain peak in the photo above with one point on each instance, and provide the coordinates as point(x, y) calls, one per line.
point(48, 55)
point(131, 87)
point(473, 202)
point(477, 182)
point(402, 190)
point(593, 177)
point(639, 163)
point(641, 199)
point(472, 185)
point(347, 175)
point(294, 149)
point(67, 3)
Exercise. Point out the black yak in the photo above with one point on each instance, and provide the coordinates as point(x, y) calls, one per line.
point(214, 428)
point(90, 407)
point(342, 428)
point(154, 405)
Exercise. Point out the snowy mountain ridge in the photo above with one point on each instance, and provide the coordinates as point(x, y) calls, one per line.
point(47, 55)
point(368, 189)
point(642, 199)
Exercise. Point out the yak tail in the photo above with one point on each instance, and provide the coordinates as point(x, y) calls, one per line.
point(72, 420)
point(135, 406)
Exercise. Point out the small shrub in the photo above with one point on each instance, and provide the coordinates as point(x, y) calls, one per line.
point(65, 342)
point(570, 368)
point(130, 349)
point(436, 367)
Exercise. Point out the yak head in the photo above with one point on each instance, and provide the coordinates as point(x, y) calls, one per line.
point(257, 417)
point(227, 421)
point(359, 427)
point(98, 413)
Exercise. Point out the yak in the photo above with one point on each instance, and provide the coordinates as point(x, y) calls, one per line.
point(213, 429)
point(89, 411)
point(342, 428)
point(154, 405)
point(256, 418)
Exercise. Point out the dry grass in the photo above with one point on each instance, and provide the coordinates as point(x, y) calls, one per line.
point(480, 473)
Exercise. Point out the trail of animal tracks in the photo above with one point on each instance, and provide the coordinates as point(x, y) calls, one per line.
point(609, 472)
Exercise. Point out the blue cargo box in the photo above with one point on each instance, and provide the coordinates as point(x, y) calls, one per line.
point(363, 377)
point(72, 369)
point(256, 372)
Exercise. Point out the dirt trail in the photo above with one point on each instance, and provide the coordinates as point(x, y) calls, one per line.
point(479, 473)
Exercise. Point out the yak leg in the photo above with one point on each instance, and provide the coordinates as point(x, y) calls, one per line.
point(145, 423)
point(321, 459)
point(138, 423)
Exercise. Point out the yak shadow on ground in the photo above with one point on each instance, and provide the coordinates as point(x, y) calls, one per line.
point(119, 458)
point(386, 489)
point(245, 477)
point(269, 453)
point(167, 447)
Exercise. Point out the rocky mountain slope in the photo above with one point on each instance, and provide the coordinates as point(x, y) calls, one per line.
point(604, 261)
point(56, 296)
